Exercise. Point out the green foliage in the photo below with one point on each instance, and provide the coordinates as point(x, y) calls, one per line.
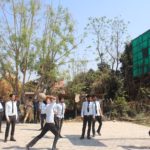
point(121, 106)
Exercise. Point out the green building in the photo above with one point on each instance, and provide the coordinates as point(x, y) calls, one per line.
point(141, 55)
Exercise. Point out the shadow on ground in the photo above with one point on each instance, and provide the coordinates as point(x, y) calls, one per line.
point(136, 147)
point(75, 140)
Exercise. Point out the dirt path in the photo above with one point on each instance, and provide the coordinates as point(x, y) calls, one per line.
point(115, 136)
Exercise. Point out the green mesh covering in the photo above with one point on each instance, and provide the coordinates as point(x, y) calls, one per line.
point(141, 54)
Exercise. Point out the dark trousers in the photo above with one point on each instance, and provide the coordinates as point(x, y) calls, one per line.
point(86, 119)
point(43, 118)
point(1, 118)
point(59, 123)
point(99, 120)
point(12, 123)
point(48, 127)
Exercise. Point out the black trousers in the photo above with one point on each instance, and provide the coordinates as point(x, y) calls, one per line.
point(43, 117)
point(48, 127)
point(99, 120)
point(12, 123)
point(59, 123)
point(1, 118)
point(87, 119)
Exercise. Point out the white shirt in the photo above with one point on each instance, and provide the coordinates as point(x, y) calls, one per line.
point(50, 112)
point(42, 108)
point(84, 110)
point(96, 107)
point(8, 109)
point(60, 110)
point(1, 106)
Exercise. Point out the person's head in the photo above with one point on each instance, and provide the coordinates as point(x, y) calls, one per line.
point(61, 99)
point(16, 98)
point(94, 97)
point(89, 98)
point(12, 97)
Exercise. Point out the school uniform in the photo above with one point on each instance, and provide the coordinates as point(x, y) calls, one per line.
point(42, 107)
point(87, 113)
point(50, 125)
point(98, 117)
point(60, 111)
point(11, 114)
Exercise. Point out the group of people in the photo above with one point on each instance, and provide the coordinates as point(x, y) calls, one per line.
point(90, 113)
point(52, 116)
point(52, 111)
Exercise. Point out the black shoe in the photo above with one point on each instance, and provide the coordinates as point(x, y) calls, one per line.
point(39, 129)
point(88, 137)
point(81, 138)
point(60, 136)
point(93, 135)
point(99, 133)
point(27, 147)
point(5, 140)
point(12, 139)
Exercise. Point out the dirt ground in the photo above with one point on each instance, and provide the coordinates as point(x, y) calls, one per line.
point(115, 136)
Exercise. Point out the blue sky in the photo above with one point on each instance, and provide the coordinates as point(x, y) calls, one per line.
point(137, 12)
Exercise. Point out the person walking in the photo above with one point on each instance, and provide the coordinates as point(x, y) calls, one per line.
point(60, 111)
point(11, 117)
point(49, 125)
point(98, 115)
point(87, 114)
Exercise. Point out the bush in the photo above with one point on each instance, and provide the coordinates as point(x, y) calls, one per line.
point(121, 107)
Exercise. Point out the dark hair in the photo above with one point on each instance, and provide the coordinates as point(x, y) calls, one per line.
point(10, 95)
point(88, 96)
point(93, 96)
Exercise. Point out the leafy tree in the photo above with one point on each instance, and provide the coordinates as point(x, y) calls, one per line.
point(17, 45)
point(55, 46)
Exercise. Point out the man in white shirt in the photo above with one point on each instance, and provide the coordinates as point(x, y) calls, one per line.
point(42, 108)
point(50, 125)
point(60, 111)
point(87, 113)
point(11, 117)
point(98, 115)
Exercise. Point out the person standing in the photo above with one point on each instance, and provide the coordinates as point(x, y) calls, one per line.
point(29, 111)
point(42, 108)
point(1, 114)
point(87, 114)
point(98, 115)
point(60, 111)
point(11, 117)
point(49, 125)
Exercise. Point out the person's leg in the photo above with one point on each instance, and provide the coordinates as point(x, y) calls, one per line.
point(1, 117)
point(89, 126)
point(99, 119)
point(61, 123)
point(84, 126)
point(7, 130)
point(26, 116)
point(43, 132)
point(53, 129)
point(13, 123)
point(93, 126)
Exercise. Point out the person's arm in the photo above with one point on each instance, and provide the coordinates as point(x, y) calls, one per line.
point(16, 111)
point(93, 109)
point(82, 110)
point(6, 112)
point(100, 110)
